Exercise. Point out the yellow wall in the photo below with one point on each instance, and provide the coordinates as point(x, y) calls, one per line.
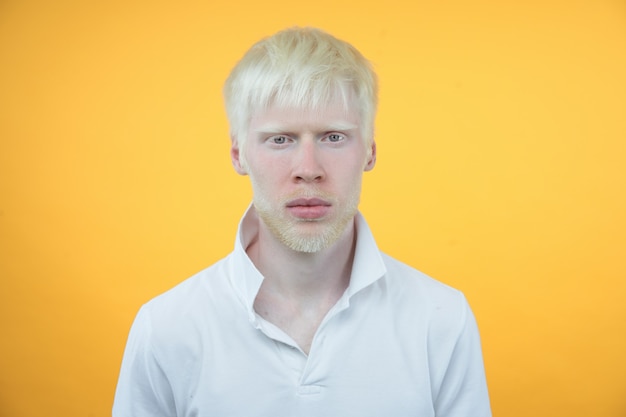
point(501, 171)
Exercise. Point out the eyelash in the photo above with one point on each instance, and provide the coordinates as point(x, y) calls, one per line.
point(339, 137)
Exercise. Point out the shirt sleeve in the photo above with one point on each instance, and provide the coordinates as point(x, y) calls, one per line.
point(143, 389)
point(463, 392)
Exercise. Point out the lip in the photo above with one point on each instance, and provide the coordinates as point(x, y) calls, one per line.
point(308, 202)
point(309, 209)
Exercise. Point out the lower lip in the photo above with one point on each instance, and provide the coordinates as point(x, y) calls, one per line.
point(309, 212)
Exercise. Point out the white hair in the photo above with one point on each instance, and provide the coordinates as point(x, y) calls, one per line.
point(303, 68)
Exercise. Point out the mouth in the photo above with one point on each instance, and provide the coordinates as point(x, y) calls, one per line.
point(309, 208)
point(308, 202)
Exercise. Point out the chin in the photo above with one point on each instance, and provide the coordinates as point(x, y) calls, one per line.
point(306, 236)
point(308, 245)
point(313, 241)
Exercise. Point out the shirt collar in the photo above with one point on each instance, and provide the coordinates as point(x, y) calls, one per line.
point(367, 267)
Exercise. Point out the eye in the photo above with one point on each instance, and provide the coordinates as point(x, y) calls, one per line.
point(278, 140)
point(335, 137)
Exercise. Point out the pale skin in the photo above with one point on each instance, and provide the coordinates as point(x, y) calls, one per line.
point(306, 170)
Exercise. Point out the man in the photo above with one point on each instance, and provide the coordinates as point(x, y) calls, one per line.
point(305, 317)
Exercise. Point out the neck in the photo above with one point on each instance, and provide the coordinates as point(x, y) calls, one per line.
point(299, 289)
point(301, 276)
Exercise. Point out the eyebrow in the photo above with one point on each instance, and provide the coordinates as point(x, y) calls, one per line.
point(278, 128)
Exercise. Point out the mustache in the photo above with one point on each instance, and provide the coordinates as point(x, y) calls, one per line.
point(309, 194)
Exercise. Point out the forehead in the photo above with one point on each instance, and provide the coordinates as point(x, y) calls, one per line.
point(332, 116)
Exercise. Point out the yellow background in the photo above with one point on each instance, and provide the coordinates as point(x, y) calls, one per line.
point(501, 171)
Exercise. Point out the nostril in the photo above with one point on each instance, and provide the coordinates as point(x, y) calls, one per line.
point(308, 178)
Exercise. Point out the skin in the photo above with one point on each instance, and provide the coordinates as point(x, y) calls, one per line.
point(306, 169)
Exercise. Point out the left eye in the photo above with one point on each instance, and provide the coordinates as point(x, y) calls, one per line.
point(279, 140)
point(335, 137)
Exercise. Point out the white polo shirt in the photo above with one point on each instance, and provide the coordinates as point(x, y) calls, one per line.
point(397, 343)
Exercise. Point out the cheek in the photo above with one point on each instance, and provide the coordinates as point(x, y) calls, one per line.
point(351, 179)
point(352, 168)
point(264, 182)
point(263, 177)
point(268, 170)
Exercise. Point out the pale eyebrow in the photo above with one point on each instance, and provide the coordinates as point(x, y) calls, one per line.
point(270, 129)
point(273, 129)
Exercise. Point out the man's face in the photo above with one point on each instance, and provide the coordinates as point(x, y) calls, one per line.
point(306, 169)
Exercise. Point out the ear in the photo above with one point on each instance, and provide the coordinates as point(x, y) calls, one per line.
point(371, 161)
point(235, 157)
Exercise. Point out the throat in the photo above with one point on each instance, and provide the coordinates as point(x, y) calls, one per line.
point(299, 289)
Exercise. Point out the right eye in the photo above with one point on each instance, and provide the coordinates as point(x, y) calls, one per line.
point(278, 140)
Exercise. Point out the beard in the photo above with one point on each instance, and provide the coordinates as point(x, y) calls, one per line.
point(307, 235)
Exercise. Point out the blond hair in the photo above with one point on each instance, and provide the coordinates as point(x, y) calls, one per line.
point(302, 68)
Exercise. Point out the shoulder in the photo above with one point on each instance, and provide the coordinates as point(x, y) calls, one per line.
point(405, 278)
point(199, 286)
point(420, 296)
point(183, 321)
point(193, 302)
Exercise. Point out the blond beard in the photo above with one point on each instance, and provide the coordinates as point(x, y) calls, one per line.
point(325, 233)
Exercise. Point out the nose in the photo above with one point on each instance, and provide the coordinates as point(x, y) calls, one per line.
point(308, 165)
